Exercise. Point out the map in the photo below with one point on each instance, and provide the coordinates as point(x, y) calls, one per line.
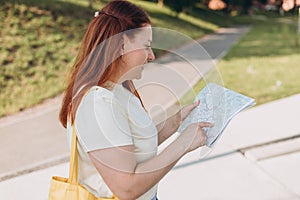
point(217, 105)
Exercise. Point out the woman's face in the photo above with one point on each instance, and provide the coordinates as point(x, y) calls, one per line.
point(136, 52)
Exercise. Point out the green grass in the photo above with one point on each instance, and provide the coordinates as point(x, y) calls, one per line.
point(195, 24)
point(265, 64)
point(40, 39)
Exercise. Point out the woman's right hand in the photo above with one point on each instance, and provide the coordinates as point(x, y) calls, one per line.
point(194, 136)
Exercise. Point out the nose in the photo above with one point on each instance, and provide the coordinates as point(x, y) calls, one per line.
point(151, 55)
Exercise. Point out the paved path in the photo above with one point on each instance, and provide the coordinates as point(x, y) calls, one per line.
point(258, 157)
point(35, 139)
point(246, 164)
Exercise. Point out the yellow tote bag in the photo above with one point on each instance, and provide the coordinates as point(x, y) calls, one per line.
point(69, 188)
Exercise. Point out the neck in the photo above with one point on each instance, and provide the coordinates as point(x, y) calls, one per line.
point(117, 76)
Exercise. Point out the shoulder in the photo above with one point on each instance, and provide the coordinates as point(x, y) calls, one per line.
point(98, 98)
point(99, 123)
point(97, 92)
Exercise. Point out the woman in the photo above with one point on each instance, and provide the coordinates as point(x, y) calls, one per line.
point(117, 140)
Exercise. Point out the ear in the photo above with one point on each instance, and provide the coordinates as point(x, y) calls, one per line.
point(126, 43)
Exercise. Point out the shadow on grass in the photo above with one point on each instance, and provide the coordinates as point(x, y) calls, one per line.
point(40, 40)
point(178, 23)
point(57, 8)
point(212, 16)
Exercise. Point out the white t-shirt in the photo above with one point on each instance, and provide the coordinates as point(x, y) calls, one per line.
point(109, 118)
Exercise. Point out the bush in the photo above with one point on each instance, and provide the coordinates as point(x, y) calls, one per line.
point(180, 5)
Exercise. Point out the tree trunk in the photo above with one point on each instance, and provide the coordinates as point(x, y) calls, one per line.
point(91, 4)
point(160, 3)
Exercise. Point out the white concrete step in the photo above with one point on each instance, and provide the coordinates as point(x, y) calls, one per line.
point(285, 170)
point(230, 177)
point(273, 150)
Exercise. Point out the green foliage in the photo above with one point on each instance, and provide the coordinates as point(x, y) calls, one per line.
point(242, 6)
point(40, 39)
point(180, 5)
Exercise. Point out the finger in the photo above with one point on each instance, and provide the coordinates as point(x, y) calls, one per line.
point(203, 138)
point(205, 124)
point(197, 103)
point(187, 109)
point(193, 105)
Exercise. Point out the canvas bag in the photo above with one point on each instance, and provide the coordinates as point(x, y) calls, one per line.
point(69, 188)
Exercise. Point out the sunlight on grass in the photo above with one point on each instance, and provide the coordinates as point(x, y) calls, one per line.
point(40, 41)
point(41, 38)
point(213, 76)
point(264, 78)
point(199, 22)
point(265, 64)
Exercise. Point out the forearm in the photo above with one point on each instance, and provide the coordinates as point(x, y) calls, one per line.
point(168, 127)
point(128, 179)
point(149, 173)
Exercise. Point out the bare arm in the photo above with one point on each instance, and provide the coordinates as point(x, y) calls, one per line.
point(169, 127)
point(127, 179)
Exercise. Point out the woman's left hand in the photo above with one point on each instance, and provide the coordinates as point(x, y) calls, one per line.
point(169, 126)
point(186, 110)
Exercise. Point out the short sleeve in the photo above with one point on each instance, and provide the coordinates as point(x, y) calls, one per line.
point(101, 122)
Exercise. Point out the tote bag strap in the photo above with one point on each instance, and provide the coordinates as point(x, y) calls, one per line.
point(73, 170)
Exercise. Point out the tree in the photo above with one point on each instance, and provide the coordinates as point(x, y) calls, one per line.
point(179, 5)
point(91, 4)
point(160, 3)
point(243, 6)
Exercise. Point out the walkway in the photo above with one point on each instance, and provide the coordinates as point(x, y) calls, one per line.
point(246, 163)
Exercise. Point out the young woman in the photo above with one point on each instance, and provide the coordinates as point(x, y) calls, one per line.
point(117, 140)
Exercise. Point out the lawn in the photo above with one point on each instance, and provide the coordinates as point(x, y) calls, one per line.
point(265, 63)
point(40, 39)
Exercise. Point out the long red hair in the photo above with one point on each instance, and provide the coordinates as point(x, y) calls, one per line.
point(98, 53)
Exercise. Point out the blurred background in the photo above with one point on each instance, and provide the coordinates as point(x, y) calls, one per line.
point(39, 41)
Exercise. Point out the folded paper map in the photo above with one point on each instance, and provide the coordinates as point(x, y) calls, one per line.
point(217, 105)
